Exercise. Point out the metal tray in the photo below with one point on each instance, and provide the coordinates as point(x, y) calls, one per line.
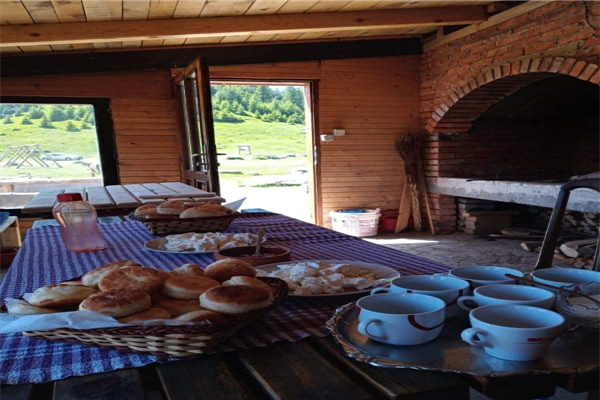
point(576, 349)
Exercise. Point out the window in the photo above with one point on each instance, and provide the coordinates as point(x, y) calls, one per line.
point(46, 143)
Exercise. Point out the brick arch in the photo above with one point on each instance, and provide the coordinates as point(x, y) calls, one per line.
point(464, 105)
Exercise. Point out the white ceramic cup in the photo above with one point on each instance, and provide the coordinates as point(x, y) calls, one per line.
point(513, 332)
point(485, 275)
point(401, 318)
point(508, 294)
point(445, 288)
point(560, 277)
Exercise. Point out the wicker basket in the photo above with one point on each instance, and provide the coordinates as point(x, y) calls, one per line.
point(165, 341)
point(178, 225)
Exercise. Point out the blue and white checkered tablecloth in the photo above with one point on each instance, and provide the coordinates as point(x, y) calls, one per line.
point(44, 260)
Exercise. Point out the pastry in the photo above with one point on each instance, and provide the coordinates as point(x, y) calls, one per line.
point(172, 207)
point(188, 269)
point(202, 315)
point(91, 278)
point(149, 314)
point(60, 295)
point(22, 307)
point(179, 307)
point(117, 303)
point(187, 287)
point(223, 270)
point(131, 278)
point(248, 281)
point(235, 299)
point(145, 210)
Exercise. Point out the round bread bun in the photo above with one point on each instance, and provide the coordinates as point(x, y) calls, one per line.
point(22, 307)
point(188, 269)
point(235, 299)
point(92, 278)
point(60, 295)
point(142, 211)
point(149, 314)
point(247, 281)
point(72, 283)
point(172, 207)
point(179, 307)
point(117, 303)
point(187, 287)
point(131, 278)
point(223, 270)
point(202, 315)
point(199, 212)
point(164, 275)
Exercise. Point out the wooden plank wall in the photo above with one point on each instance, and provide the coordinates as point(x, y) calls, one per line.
point(144, 116)
point(375, 100)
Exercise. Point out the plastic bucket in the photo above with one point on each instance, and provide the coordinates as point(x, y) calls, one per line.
point(387, 222)
point(355, 222)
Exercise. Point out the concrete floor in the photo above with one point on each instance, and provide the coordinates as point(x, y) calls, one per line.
point(461, 250)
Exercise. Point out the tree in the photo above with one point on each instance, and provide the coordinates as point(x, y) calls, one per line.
point(57, 114)
point(36, 113)
point(8, 120)
point(81, 112)
point(70, 112)
point(84, 125)
point(26, 121)
point(89, 118)
point(45, 123)
point(71, 127)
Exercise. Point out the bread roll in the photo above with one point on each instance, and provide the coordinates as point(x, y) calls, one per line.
point(198, 212)
point(247, 281)
point(60, 295)
point(172, 207)
point(117, 303)
point(131, 278)
point(235, 299)
point(21, 307)
point(147, 315)
point(187, 287)
point(72, 283)
point(223, 270)
point(202, 315)
point(145, 210)
point(188, 269)
point(92, 277)
point(179, 307)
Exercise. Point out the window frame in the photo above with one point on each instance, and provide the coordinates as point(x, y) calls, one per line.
point(105, 132)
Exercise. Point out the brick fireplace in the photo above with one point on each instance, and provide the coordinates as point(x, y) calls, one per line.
point(514, 102)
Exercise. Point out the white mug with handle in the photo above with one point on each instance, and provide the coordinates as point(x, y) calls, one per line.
point(401, 318)
point(507, 294)
point(513, 332)
point(446, 288)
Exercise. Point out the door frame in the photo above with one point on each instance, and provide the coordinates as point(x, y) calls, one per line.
point(192, 85)
point(312, 122)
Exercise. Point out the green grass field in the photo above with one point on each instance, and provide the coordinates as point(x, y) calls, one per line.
point(266, 138)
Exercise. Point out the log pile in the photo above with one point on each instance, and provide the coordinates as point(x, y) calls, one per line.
point(578, 253)
point(585, 224)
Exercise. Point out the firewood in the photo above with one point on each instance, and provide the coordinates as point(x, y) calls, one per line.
point(531, 246)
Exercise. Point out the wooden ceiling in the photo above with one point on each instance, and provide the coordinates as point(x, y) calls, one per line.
point(93, 15)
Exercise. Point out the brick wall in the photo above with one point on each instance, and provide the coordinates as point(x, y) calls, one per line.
point(464, 78)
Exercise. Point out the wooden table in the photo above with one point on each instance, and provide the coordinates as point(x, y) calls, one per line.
point(120, 199)
point(312, 369)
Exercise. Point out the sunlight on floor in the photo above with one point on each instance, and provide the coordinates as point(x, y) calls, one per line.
point(401, 241)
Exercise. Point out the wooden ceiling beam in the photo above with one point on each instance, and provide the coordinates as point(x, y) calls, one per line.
point(115, 61)
point(117, 31)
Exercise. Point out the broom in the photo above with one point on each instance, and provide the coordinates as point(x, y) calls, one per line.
point(410, 146)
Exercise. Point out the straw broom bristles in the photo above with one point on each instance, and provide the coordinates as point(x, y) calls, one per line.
point(409, 146)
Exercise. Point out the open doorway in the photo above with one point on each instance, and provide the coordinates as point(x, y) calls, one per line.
point(53, 143)
point(265, 140)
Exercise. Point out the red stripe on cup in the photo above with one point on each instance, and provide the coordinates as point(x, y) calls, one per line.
point(413, 321)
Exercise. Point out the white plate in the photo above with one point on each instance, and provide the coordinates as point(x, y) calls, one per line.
point(158, 245)
point(381, 272)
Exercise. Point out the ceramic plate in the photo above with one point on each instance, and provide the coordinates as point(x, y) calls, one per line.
point(381, 272)
point(159, 246)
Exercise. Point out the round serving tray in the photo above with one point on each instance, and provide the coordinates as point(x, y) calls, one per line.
point(448, 353)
